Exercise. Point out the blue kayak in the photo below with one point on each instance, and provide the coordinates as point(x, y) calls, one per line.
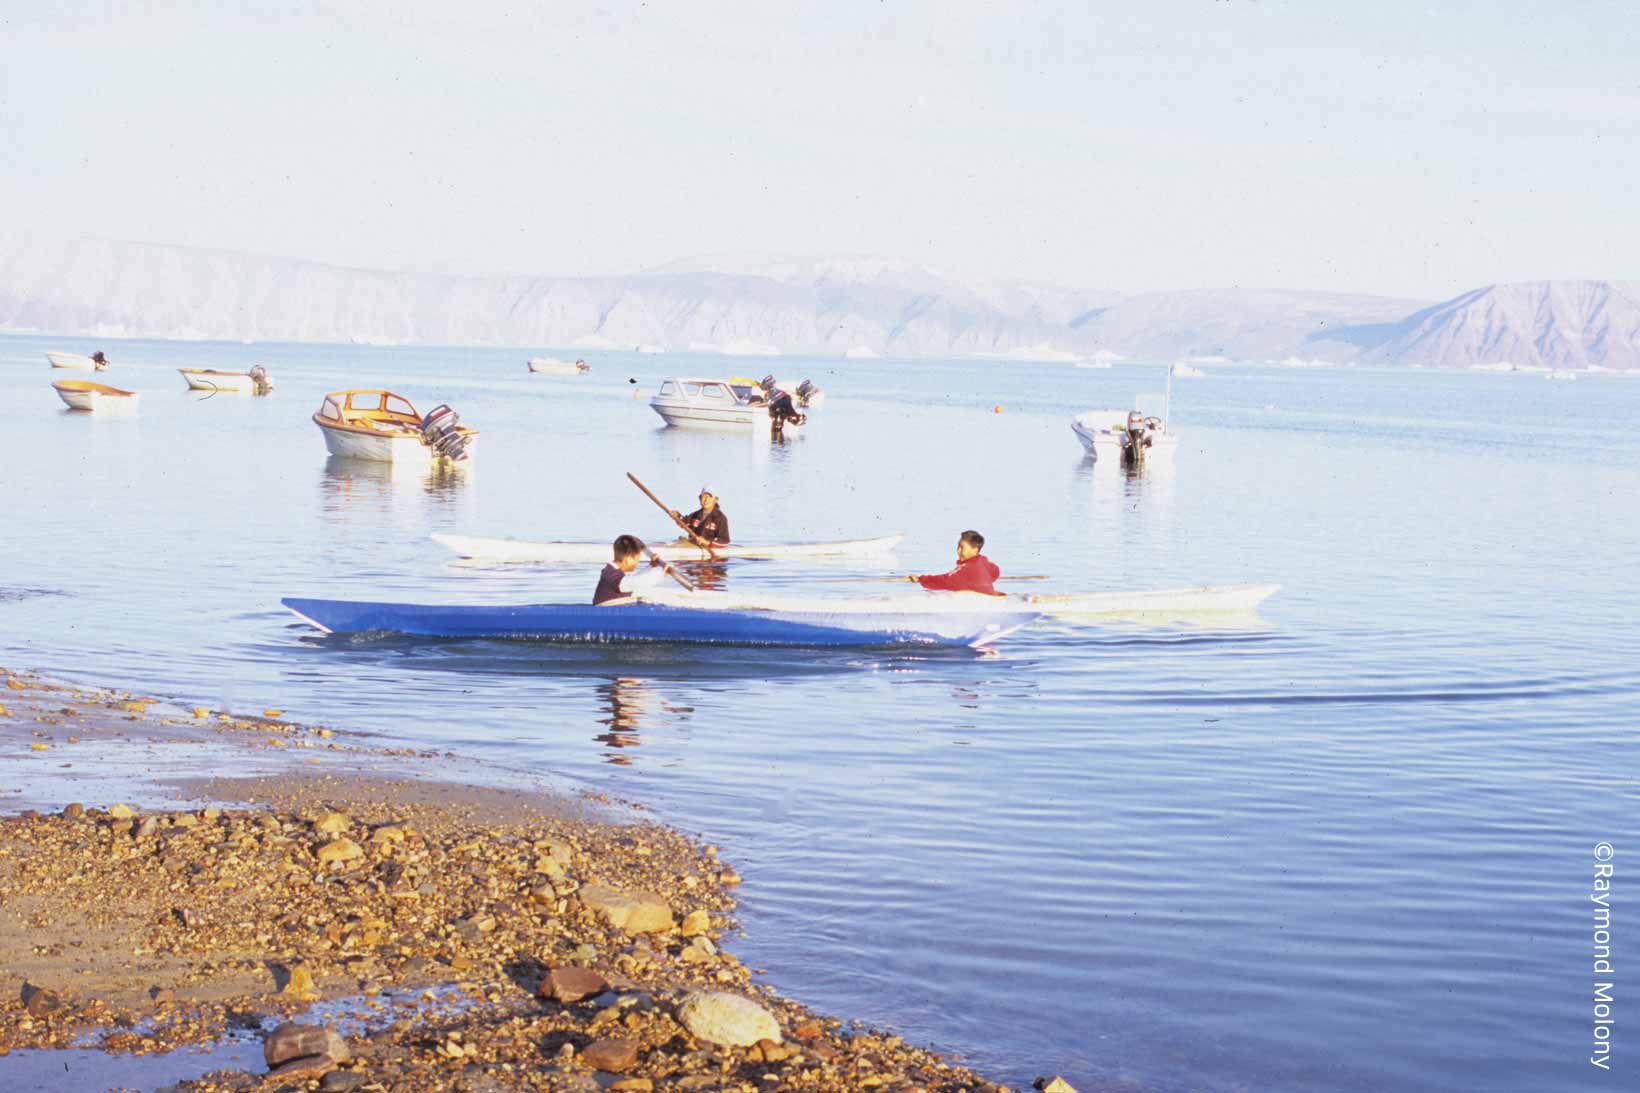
point(636, 622)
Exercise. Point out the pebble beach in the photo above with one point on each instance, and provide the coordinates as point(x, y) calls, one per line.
point(345, 920)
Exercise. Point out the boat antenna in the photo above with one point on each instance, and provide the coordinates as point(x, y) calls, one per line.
point(1167, 402)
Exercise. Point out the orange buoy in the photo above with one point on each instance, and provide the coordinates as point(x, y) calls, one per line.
point(996, 409)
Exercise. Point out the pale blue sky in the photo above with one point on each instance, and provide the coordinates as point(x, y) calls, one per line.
point(1407, 149)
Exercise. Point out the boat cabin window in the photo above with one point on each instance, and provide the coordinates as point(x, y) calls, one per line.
point(393, 404)
point(331, 410)
point(691, 388)
point(713, 390)
point(669, 388)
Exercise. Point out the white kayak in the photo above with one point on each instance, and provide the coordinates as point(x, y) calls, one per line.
point(521, 550)
point(1222, 599)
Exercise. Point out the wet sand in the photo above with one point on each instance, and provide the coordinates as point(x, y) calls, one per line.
point(449, 935)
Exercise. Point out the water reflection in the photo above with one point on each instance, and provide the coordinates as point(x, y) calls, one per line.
point(629, 701)
point(355, 484)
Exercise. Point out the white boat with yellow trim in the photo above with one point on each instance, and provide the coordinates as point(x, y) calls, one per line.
point(384, 427)
point(240, 383)
point(99, 397)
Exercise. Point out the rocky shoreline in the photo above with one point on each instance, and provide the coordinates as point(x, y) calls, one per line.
point(378, 932)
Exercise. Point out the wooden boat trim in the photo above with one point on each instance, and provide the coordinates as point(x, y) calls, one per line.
point(93, 388)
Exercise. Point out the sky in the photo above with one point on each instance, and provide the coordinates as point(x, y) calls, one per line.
point(1414, 150)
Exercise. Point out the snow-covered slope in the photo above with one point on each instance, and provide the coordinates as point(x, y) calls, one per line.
point(1533, 324)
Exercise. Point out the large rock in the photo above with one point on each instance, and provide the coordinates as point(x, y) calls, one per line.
point(340, 850)
point(633, 912)
point(615, 1055)
point(292, 1041)
point(571, 983)
point(719, 1017)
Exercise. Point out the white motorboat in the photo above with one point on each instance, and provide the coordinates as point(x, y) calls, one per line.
point(551, 366)
point(520, 550)
point(242, 383)
point(1207, 600)
point(734, 404)
point(1111, 433)
point(1102, 433)
point(85, 395)
point(383, 427)
point(95, 363)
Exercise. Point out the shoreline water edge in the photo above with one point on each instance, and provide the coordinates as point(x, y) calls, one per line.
point(252, 903)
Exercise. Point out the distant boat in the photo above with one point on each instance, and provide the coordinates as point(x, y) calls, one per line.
point(1561, 374)
point(94, 363)
point(1188, 371)
point(384, 428)
point(553, 367)
point(85, 395)
point(735, 403)
point(242, 383)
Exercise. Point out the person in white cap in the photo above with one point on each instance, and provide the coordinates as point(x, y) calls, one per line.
point(708, 525)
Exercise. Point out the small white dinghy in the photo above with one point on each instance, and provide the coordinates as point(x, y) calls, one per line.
point(520, 550)
point(254, 382)
point(95, 363)
point(85, 395)
point(551, 366)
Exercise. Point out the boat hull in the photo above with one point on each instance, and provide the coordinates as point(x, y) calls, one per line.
point(72, 360)
point(350, 444)
point(199, 379)
point(547, 367)
point(686, 415)
point(84, 395)
point(647, 622)
point(1169, 602)
point(520, 550)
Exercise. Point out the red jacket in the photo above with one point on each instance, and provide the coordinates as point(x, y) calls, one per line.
point(977, 574)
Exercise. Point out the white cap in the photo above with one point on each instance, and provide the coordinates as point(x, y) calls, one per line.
point(708, 489)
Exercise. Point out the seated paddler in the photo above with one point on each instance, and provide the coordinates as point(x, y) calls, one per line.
point(974, 572)
point(619, 579)
point(709, 524)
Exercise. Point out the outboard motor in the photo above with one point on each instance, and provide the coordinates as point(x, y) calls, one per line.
point(808, 395)
point(260, 383)
point(439, 432)
point(1135, 438)
point(99, 360)
point(582, 366)
point(781, 407)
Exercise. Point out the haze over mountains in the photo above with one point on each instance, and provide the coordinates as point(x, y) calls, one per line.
point(830, 306)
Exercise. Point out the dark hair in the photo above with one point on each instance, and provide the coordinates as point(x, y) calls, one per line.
point(628, 545)
point(973, 539)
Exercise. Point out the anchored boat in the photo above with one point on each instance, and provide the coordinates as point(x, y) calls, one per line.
point(94, 363)
point(554, 367)
point(384, 427)
point(653, 622)
point(520, 550)
point(254, 382)
point(85, 395)
point(734, 404)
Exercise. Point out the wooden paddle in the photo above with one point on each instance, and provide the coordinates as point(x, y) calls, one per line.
point(693, 538)
point(670, 571)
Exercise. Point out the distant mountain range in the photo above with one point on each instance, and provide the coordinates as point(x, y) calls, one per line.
point(832, 306)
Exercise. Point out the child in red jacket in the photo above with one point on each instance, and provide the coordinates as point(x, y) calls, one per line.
point(974, 573)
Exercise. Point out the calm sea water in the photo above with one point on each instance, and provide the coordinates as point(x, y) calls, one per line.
point(1346, 845)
